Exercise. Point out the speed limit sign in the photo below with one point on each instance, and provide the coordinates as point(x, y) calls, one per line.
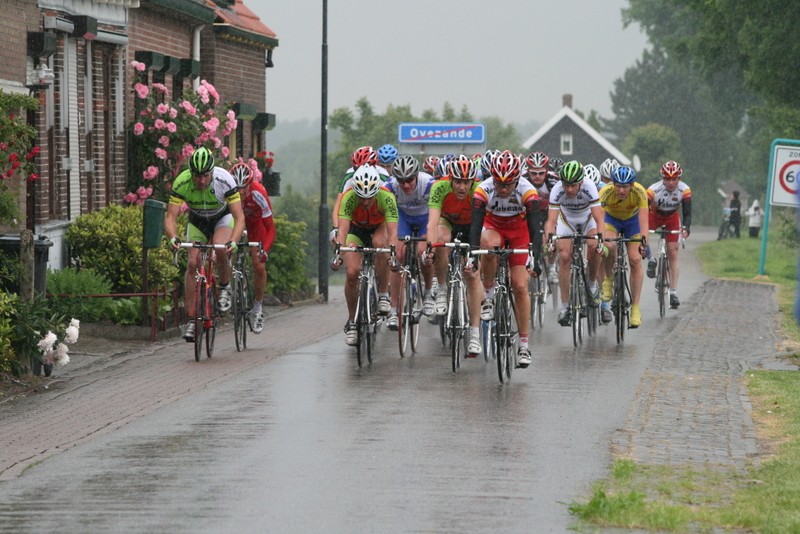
point(785, 175)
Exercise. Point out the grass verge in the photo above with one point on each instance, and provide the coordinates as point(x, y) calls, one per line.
point(761, 498)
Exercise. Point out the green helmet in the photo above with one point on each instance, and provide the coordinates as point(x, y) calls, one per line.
point(201, 161)
point(571, 172)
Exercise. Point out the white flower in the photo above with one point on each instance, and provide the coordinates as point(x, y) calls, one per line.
point(61, 357)
point(74, 322)
point(47, 342)
point(71, 335)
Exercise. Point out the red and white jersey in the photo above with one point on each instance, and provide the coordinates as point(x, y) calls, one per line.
point(664, 202)
point(509, 210)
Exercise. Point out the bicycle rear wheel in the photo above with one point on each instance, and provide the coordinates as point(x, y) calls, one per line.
point(200, 307)
point(502, 335)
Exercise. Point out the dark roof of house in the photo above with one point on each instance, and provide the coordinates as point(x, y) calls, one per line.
point(567, 111)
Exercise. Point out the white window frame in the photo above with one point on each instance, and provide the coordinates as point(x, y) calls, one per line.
point(566, 144)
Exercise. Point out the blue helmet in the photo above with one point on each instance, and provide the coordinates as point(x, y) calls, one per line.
point(623, 175)
point(387, 154)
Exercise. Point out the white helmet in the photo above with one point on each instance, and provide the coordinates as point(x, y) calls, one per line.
point(590, 172)
point(608, 167)
point(366, 181)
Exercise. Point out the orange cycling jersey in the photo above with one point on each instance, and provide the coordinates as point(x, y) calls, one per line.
point(455, 211)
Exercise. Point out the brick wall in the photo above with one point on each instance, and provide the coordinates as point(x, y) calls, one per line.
point(17, 17)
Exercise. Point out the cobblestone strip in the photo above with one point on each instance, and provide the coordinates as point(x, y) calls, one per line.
point(691, 407)
point(114, 391)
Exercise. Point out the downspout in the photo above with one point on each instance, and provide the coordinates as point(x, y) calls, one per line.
point(196, 52)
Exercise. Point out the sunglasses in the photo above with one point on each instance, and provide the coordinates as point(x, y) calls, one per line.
point(538, 173)
point(404, 180)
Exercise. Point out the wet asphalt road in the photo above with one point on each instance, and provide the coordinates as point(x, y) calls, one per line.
point(307, 442)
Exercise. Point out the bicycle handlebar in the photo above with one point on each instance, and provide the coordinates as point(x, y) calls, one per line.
point(501, 251)
point(450, 244)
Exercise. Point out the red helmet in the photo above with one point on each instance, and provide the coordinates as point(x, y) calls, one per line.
point(671, 169)
point(463, 168)
point(364, 155)
point(505, 167)
point(537, 160)
point(430, 164)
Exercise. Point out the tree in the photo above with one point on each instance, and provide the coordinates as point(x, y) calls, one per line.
point(654, 144)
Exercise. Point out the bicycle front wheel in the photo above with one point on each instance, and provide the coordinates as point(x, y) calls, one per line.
point(577, 293)
point(210, 324)
point(502, 334)
point(404, 304)
point(661, 286)
point(416, 314)
point(200, 307)
point(456, 325)
point(620, 305)
point(487, 340)
point(239, 324)
point(362, 325)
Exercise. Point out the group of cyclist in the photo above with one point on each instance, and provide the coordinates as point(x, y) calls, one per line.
point(221, 205)
point(499, 198)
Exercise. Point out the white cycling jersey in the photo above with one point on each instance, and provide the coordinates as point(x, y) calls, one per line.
point(575, 211)
point(416, 202)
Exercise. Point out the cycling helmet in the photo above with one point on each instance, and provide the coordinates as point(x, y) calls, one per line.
point(505, 167)
point(537, 160)
point(242, 173)
point(366, 181)
point(387, 154)
point(201, 161)
point(430, 164)
point(555, 164)
point(671, 169)
point(623, 175)
point(463, 168)
point(607, 167)
point(442, 169)
point(486, 162)
point(571, 172)
point(405, 168)
point(364, 155)
point(590, 172)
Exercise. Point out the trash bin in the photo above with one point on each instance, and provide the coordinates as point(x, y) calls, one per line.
point(10, 245)
point(153, 223)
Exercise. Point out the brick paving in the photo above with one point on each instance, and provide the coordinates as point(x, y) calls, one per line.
point(691, 406)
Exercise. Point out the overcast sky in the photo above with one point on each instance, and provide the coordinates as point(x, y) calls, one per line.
point(510, 59)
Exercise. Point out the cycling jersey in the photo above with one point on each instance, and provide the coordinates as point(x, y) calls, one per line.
point(207, 205)
point(509, 210)
point(416, 202)
point(664, 202)
point(626, 208)
point(575, 211)
point(384, 209)
point(453, 210)
point(258, 215)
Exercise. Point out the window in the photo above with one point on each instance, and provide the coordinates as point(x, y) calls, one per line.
point(566, 144)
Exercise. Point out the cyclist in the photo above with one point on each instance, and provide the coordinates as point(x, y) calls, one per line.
point(665, 197)
point(412, 189)
point(429, 165)
point(449, 216)
point(387, 154)
point(505, 210)
point(215, 215)
point(361, 156)
point(543, 179)
point(367, 217)
point(485, 169)
point(625, 203)
point(260, 227)
point(575, 207)
point(606, 168)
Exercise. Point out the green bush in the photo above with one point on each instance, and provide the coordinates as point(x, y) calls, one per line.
point(79, 282)
point(286, 266)
point(109, 241)
point(31, 320)
point(7, 313)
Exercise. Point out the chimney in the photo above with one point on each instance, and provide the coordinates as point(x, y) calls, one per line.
point(566, 100)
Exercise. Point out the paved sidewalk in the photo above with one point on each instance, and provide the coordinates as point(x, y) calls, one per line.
point(691, 407)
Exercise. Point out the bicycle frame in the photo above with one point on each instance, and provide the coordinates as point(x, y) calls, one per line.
point(409, 297)
point(663, 267)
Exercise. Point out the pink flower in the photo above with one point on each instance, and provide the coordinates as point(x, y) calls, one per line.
point(160, 153)
point(172, 127)
point(138, 128)
point(211, 125)
point(225, 151)
point(202, 92)
point(144, 193)
point(160, 88)
point(187, 151)
point(131, 197)
point(163, 141)
point(150, 173)
point(138, 66)
point(160, 124)
point(162, 108)
point(217, 142)
point(202, 138)
point(141, 90)
point(188, 108)
point(173, 113)
point(211, 91)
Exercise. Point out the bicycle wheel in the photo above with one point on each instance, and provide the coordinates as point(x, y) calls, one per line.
point(362, 324)
point(487, 340)
point(620, 306)
point(404, 304)
point(533, 295)
point(416, 313)
point(371, 315)
point(200, 307)
point(455, 325)
point(577, 292)
point(239, 311)
point(543, 294)
point(502, 334)
point(211, 323)
point(661, 287)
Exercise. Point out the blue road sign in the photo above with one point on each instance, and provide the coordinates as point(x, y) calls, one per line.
point(454, 133)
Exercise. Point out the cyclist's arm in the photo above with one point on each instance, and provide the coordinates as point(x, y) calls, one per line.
point(269, 236)
point(552, 219)
point(434, 214)
point(599, 215)
point(236, 210)
point(476, 226)
point(533, 215)
point(171, 219)
point(644, 224)
point(686, 205)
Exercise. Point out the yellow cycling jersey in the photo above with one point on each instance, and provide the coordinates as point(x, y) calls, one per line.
point(626, 208)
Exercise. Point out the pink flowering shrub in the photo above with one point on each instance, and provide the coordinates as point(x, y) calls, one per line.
point(165, 132)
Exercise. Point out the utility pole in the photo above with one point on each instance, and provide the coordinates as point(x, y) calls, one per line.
point(324, 219)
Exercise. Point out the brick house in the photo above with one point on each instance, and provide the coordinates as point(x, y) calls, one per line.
point(567, 136)
point(85, 111)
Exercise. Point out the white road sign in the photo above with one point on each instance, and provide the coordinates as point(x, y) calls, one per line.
point(785, 175)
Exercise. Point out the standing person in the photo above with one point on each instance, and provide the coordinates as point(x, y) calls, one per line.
point(625, 202)
point(215, 216)
point(575, 206)
point(505, 211)
point(736, 213)
point(260, 227)
point(449, 217)
point(412, 190)
point(665, 197)
point(367, 217)
point(754, 217)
